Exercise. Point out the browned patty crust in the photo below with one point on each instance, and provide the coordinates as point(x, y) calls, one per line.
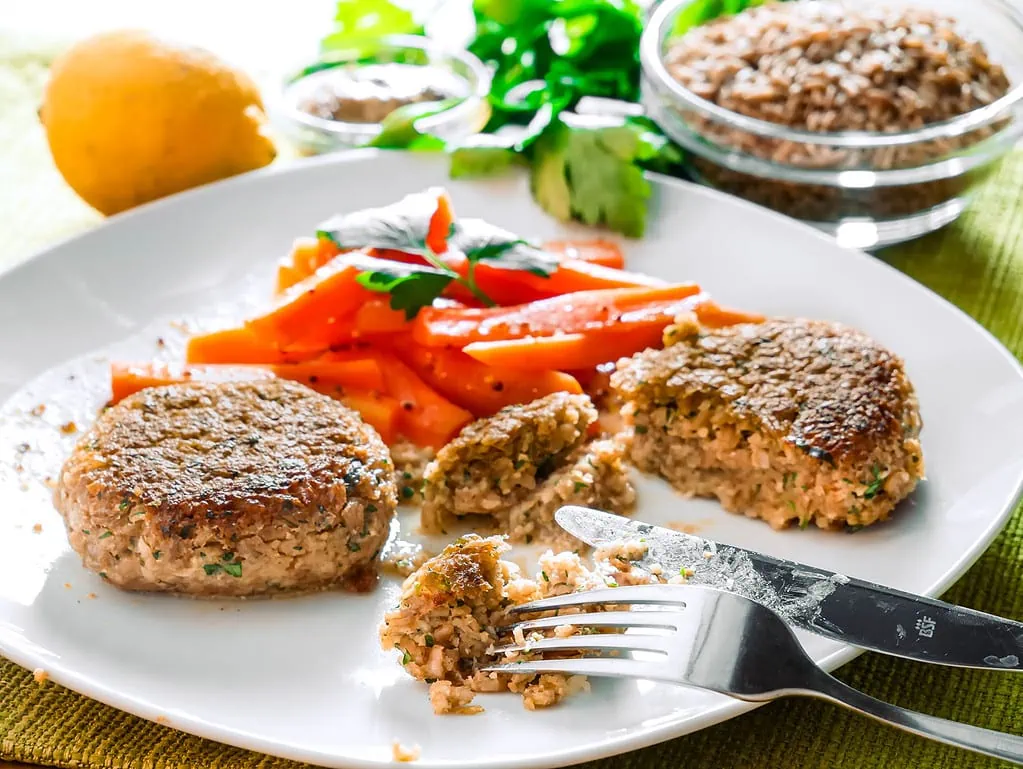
point(789, 420)
point(235, 488)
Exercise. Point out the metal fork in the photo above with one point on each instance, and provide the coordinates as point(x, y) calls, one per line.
point(718, 641)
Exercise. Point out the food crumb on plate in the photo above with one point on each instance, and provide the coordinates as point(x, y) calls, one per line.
point(38, 528)
point(91, 596)
point(69, 428)
point(39, 410)
point(405, 755)
point(685, 528)
point(40, 676)
point(67, 585)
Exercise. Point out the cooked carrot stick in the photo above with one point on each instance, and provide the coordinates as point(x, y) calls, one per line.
point(602, 252)
point(241, 345)
point(426, 418)
point(482, 389)
point(440, 224)
point(287, 276)
point(331, 377)
point(376, 317)
point(379, 411)
point(570, 313)
point(713, 315)
point(305, 314)
point(129, 378)
point(573, 351)
point(575, 275)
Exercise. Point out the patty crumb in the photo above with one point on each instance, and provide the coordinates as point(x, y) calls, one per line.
point(405, 755)
point(40, 676)
point(91, 596)
point(68, 428)
point(38, 528)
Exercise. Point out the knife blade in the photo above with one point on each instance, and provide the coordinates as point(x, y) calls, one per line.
point(835, 606)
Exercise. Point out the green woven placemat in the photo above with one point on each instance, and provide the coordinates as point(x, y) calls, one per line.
point(977, 263)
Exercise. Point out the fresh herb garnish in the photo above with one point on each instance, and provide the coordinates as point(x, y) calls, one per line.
point(234, 568)
point(356, 21)
point(404, 227)
point(546, 57)
point(877, 483)
point(406, 658)
point(545, 577)
point(106, 534)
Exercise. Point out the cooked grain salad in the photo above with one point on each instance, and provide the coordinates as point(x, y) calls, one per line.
point(829, 65)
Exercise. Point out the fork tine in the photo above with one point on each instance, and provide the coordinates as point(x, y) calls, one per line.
point(592, 666)
point(670, 620)
point(611, 642)
point(637, 594)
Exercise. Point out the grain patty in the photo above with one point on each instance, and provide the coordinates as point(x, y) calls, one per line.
point(235, 488)
point(792, 421)
point(520, 465)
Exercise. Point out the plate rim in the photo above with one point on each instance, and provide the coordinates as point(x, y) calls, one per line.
point(24, 653)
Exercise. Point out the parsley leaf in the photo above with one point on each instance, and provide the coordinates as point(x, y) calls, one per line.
point(356, 21)
point(409, 292)
point(479, 241)
point(402, 128)
point(592, 173)
point(401, 226)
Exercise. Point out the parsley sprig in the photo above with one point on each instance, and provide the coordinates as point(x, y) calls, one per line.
point(403, 226)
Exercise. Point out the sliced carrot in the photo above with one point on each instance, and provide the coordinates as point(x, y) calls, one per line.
point(129, 378)
point(577, 275)
point(602, 252)
point(241, 345)
point(440, 224)
point(426, 418)
point(380, 411)
point(287, 276)
point(713, 315)
point(333, 377)
point(306, 313)
point(570, 313)
point(377, 317)
point(482, 389)
point(573, 351)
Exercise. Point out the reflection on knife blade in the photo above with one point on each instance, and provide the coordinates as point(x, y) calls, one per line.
point(832, 605)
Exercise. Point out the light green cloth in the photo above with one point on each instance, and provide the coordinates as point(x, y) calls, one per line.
point(977, 263)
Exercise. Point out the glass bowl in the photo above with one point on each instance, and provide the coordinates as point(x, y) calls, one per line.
point(868, 189)
point(315, 135)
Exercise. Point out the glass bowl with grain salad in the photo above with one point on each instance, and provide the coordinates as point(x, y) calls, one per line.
point(869, 119)
point(344, 98)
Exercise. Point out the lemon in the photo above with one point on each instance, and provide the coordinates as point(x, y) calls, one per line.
point(131, 117)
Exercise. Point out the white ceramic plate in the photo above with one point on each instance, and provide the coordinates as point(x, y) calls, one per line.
point(304, 678)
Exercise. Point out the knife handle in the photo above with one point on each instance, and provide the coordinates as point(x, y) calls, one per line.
point(1007, 747)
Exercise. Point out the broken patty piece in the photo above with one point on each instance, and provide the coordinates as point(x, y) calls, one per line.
point(445, 624)
point(518, 466)
point(791, 421)
point(594, 475)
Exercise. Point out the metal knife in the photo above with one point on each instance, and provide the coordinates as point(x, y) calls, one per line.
point(832, 605)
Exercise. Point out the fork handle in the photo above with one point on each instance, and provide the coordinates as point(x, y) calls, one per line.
point(1007, 747)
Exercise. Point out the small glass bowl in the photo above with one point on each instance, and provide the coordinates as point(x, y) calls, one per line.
point(316, 135)
point(868, 189)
